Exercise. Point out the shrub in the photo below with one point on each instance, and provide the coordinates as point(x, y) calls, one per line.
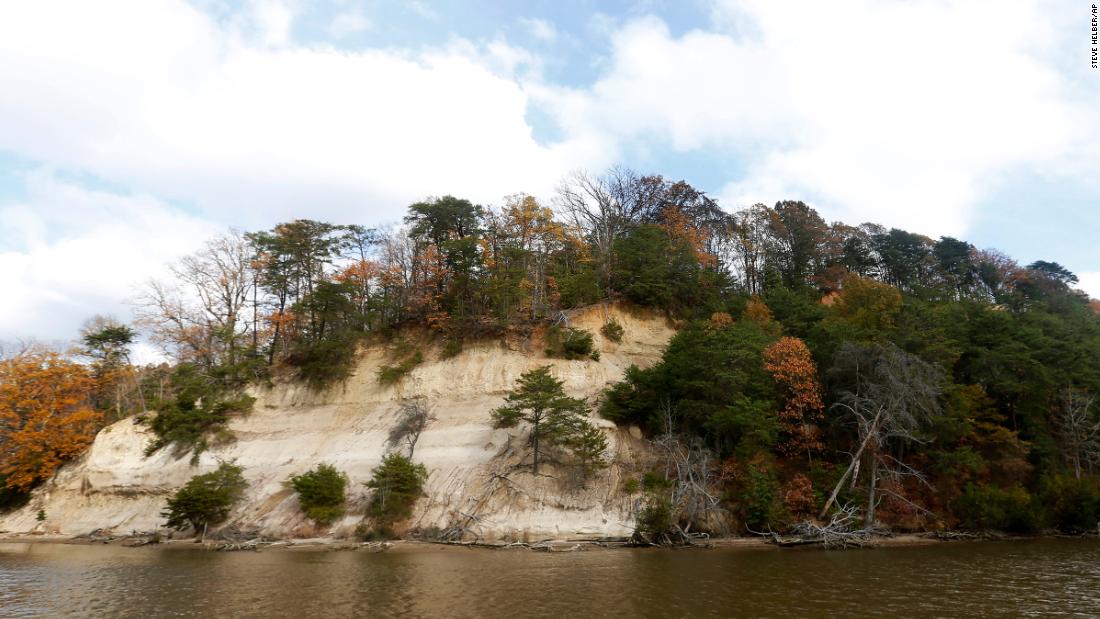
point(761, 499)
point(198, 410)
point(990, 507)
point(451, 348)
point(397, 484)
point(376, 533)
point(1072, 504)
point(653, 480)
point(327, 360)
point(568, 343)
point(630, 486)
point(654, 520)
point(390, 374)
point(321, 493)
point(612, 330)
point(206, 499)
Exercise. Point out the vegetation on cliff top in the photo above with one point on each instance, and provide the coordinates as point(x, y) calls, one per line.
point(925, 382)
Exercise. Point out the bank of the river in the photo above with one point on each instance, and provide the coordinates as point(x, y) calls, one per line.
point(558, 545)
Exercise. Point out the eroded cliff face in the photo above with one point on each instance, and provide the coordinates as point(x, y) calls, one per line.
point(474, 480)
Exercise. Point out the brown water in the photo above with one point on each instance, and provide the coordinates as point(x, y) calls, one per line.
point(1040, 577)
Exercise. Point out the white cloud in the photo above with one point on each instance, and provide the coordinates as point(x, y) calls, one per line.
point(158, 96)
point(1090, 282)
point(273, 20)
point(349, 22)
point(232, 118)
point(540, 29)
point(99, 246)
point(904, 113)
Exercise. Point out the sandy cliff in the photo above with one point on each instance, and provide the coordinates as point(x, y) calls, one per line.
point(473, 477)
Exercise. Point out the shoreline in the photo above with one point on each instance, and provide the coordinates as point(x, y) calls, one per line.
point(329, 544)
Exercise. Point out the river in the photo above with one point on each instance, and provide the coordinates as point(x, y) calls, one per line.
point(986, 579)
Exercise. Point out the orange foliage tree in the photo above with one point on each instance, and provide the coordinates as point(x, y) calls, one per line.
point(790, 364)
point(45, 416)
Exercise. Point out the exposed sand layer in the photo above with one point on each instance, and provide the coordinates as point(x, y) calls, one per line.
point(474, 478)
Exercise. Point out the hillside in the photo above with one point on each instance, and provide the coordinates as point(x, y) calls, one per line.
point(291, 429)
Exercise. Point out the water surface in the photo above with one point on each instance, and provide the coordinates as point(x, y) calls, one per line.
point(988, 579)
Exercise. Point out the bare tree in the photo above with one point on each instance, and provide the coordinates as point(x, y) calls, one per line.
point(1078, 432)
point(891, 396)
point(413, 417)
point(604, 207)
point(694, 495)
point(201, 313)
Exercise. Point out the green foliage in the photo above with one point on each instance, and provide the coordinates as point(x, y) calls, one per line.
point(714, 379)
point(653, 480)
point(41, 516)
point(655, 520)
point(390, 374)
point(198, 411)
point(397, 484)
point(984, 507)
point(1072, 505)
point(569, 343)
point(206, 499)
point(556, 420)
point(759, 501)
point(631, 485)
point(612, 330)
point(451, 348)
point(327, 360)
point(321, 493)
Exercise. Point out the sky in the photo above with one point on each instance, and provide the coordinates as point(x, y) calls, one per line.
point(132, 131)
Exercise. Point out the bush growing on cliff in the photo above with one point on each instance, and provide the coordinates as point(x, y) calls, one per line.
point(397, 484)
point(321, 493)
point(569, 343)
point(198, 411)
point(390, 374)
point(612, 330)
point(206, 499)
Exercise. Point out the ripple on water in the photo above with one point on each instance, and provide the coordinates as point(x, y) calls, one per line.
point(1041, 577)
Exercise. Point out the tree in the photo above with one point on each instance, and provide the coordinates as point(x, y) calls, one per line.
point(200, 315)
point(206, 499)
point(107, 343)
point(540, 400)
point(890, 395)
point(1078, 431)
point(46, 416)
point(904, 257)
point(791, 365)
point(868, 305)
point(413, 417)
point(799, 233)
point(605, 207)
point(397, 484)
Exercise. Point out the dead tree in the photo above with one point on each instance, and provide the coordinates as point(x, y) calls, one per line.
point(891, 396)
point(689, 465)
point(1078, 432)
point(413, 416)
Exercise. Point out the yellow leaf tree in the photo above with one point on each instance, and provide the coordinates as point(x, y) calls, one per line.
point(45, 416)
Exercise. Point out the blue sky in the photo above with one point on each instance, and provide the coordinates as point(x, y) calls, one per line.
point(131, 130)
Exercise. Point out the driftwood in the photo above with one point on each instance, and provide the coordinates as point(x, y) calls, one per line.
point(837, 533)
